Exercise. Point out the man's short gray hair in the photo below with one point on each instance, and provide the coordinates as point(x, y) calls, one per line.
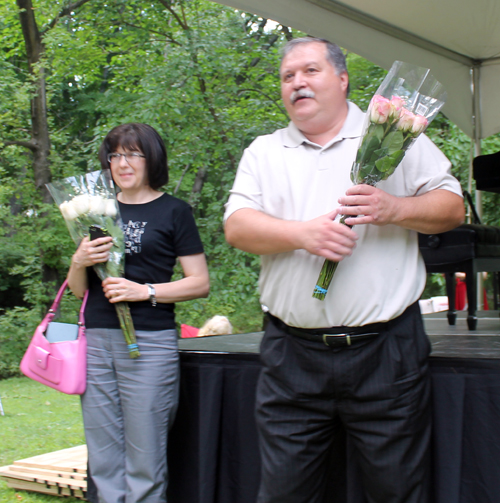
point(334, 53)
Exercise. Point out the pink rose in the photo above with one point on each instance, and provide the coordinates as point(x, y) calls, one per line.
point(411, 123)
point(406, 120)
point(397, 103)
point(419, 124)
point(380, 109)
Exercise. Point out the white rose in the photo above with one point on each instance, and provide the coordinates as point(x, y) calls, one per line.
point(111, 209)
point(68, 211)
point(97, 205)
point(81, 204)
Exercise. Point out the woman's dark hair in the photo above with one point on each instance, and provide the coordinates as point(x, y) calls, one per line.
point(137, 137)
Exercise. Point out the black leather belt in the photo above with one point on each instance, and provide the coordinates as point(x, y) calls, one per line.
point(333, 337)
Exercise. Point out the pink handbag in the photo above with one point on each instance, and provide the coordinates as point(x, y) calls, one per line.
point(57, 353)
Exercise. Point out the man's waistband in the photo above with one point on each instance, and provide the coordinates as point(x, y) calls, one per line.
point(339, 336)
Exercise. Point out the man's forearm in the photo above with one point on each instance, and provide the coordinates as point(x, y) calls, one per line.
point(432, 213)
point(255, 232)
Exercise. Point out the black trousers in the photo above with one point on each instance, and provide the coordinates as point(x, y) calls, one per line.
point(378, 389)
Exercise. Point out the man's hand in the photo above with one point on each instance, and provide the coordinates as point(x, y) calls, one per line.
point(433, 212)
point(376, 206)
point(326, 238)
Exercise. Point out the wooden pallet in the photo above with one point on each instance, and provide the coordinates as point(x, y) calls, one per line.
point(60, 473)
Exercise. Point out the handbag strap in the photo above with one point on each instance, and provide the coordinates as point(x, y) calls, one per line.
point(57, 301)
point(81, 316)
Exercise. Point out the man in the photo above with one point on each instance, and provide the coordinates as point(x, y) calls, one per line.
point(289, 189)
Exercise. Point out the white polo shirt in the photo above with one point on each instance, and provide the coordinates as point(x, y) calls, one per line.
point(288, 177)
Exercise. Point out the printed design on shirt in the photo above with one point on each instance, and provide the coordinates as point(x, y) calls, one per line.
point(133, 236)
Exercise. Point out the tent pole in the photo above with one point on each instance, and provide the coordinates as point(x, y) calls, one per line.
point(476, 118)
point(476, 122)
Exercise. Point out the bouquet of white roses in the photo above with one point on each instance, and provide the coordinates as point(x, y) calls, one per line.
point(404, 105)
point(90, 201)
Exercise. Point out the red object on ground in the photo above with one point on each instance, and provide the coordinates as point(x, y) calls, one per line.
point(461, 296)
point(188, 331)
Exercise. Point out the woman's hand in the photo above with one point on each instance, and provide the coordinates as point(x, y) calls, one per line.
point(87, 254)
point(92, 252)
point(123, 290)
point(194, 285)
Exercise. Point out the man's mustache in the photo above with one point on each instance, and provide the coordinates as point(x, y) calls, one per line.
point(301, 93)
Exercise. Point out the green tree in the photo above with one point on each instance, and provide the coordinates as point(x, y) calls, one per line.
point(202, 74)
point(205, 76)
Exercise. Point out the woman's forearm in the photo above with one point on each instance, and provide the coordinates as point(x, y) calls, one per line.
point(191, 287)
point(77, 279)
point(195, 284)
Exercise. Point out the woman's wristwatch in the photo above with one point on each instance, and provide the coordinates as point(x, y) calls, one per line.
point(152, 294)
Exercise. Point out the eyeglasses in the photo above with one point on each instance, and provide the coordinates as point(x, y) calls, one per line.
point(132, 158)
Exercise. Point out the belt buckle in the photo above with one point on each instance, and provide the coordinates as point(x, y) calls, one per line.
point(347, 338)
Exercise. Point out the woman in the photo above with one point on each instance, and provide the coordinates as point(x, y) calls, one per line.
point(130, 403)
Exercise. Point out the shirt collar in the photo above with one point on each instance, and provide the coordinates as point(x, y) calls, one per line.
point(352, 128)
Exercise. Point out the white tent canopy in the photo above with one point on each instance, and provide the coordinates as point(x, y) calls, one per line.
point(459, 40)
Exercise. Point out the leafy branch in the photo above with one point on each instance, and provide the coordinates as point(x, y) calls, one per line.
point(182, 22)
point(31, 145)
point(66, 11)
point(272, 100)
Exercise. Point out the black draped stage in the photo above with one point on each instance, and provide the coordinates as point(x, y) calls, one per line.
point(213, 450)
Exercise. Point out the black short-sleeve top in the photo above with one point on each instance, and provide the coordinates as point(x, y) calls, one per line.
point(156, 233)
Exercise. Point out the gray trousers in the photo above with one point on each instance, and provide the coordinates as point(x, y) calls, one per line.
point(128, 407)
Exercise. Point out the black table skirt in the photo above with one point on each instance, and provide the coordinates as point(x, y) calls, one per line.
point(466, 430)
point(213, 453)
point(213, 449)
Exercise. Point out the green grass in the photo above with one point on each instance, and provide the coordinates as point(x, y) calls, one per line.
point(37, 420)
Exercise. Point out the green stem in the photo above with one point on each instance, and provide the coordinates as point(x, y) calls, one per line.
point(324, 279)
point(123, 312)
point(327, 271)
point(127, 326)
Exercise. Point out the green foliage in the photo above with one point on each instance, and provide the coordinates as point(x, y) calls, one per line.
point(37, 420)
point(364, 79)
point(16, 329)
point(17, 326)
point(379, 154)
point(205, 76)
point(435, 286)
point(202, 74)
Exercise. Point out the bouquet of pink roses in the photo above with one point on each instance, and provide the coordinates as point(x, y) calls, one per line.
point(404, 105)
